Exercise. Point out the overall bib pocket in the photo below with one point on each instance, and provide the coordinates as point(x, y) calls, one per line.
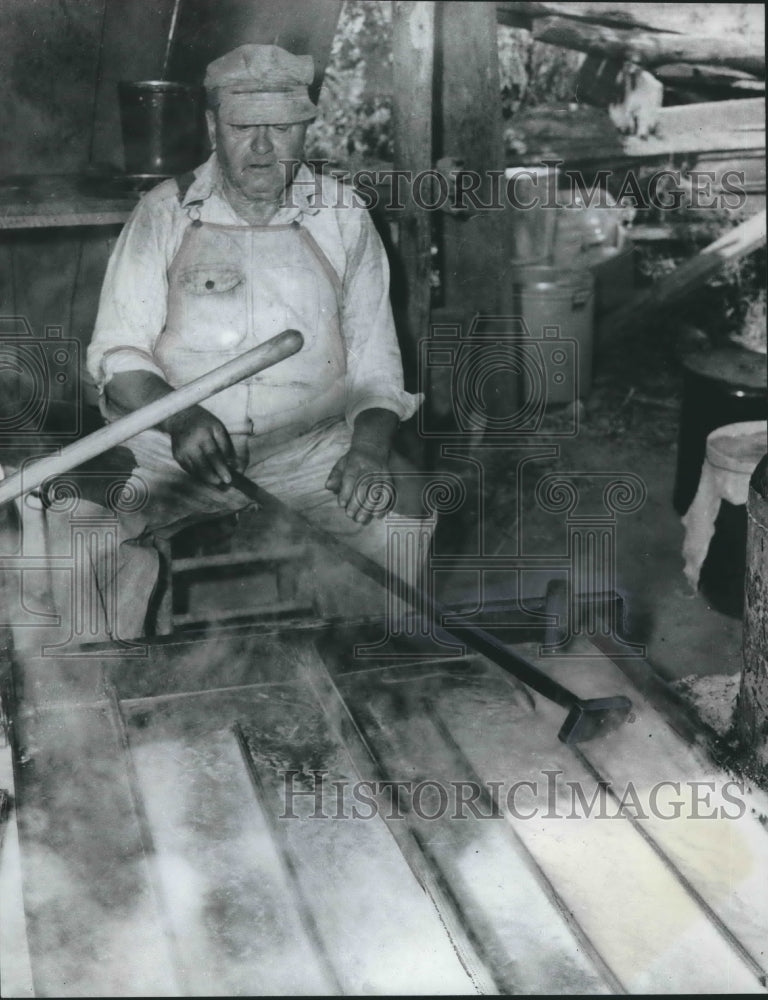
point(214, 299)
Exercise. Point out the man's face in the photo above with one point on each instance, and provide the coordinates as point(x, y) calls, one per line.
point(258, 160)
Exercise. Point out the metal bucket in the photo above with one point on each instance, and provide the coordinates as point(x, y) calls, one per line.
point(557, 306)
point(162, 126)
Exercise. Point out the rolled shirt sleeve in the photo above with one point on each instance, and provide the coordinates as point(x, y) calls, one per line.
point(374, 363)
point(132, 307)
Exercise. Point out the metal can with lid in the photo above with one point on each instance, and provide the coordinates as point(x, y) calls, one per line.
point(557, 308)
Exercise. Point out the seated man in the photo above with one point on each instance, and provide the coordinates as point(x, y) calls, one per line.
point(216, 262)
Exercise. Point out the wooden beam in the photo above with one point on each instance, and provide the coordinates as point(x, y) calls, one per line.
point(737, 20)
point(413, 44)
point(705, 127)
point(470, 124)
point(520, 14)
point(685, 279)
point(586, 134)
point(652, 49)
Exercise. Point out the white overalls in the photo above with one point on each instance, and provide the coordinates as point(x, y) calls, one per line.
point(231, 288)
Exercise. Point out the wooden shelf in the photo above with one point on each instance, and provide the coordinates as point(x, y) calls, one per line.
point(48, 200)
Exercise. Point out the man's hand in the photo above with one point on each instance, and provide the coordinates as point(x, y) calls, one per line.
point(368, 456)
point(201, 445)
point(200, 442)
point(345, 475)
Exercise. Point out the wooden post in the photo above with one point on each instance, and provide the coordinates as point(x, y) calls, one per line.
point(413, 49)
point(752, 707)
point(470, 123)
point(413, 63)
point(473, 244)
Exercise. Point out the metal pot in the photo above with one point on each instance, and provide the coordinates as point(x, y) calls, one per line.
point(162, 126)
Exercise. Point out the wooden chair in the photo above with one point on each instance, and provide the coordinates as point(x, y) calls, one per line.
point(203, 567)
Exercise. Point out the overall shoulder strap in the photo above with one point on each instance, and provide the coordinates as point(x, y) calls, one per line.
point(322, 257)
point(184, 183)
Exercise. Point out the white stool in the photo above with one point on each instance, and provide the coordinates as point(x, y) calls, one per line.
point(732, 454)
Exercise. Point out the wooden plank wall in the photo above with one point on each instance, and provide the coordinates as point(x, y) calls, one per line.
point(59, 66)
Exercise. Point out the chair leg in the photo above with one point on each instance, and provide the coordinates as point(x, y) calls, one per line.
point(287, 583)
point(164, 605)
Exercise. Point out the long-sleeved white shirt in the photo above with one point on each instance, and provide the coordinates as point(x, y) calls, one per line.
point(132, 308)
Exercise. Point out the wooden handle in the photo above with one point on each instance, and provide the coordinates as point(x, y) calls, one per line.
point(420, 600)
point(269, 353)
